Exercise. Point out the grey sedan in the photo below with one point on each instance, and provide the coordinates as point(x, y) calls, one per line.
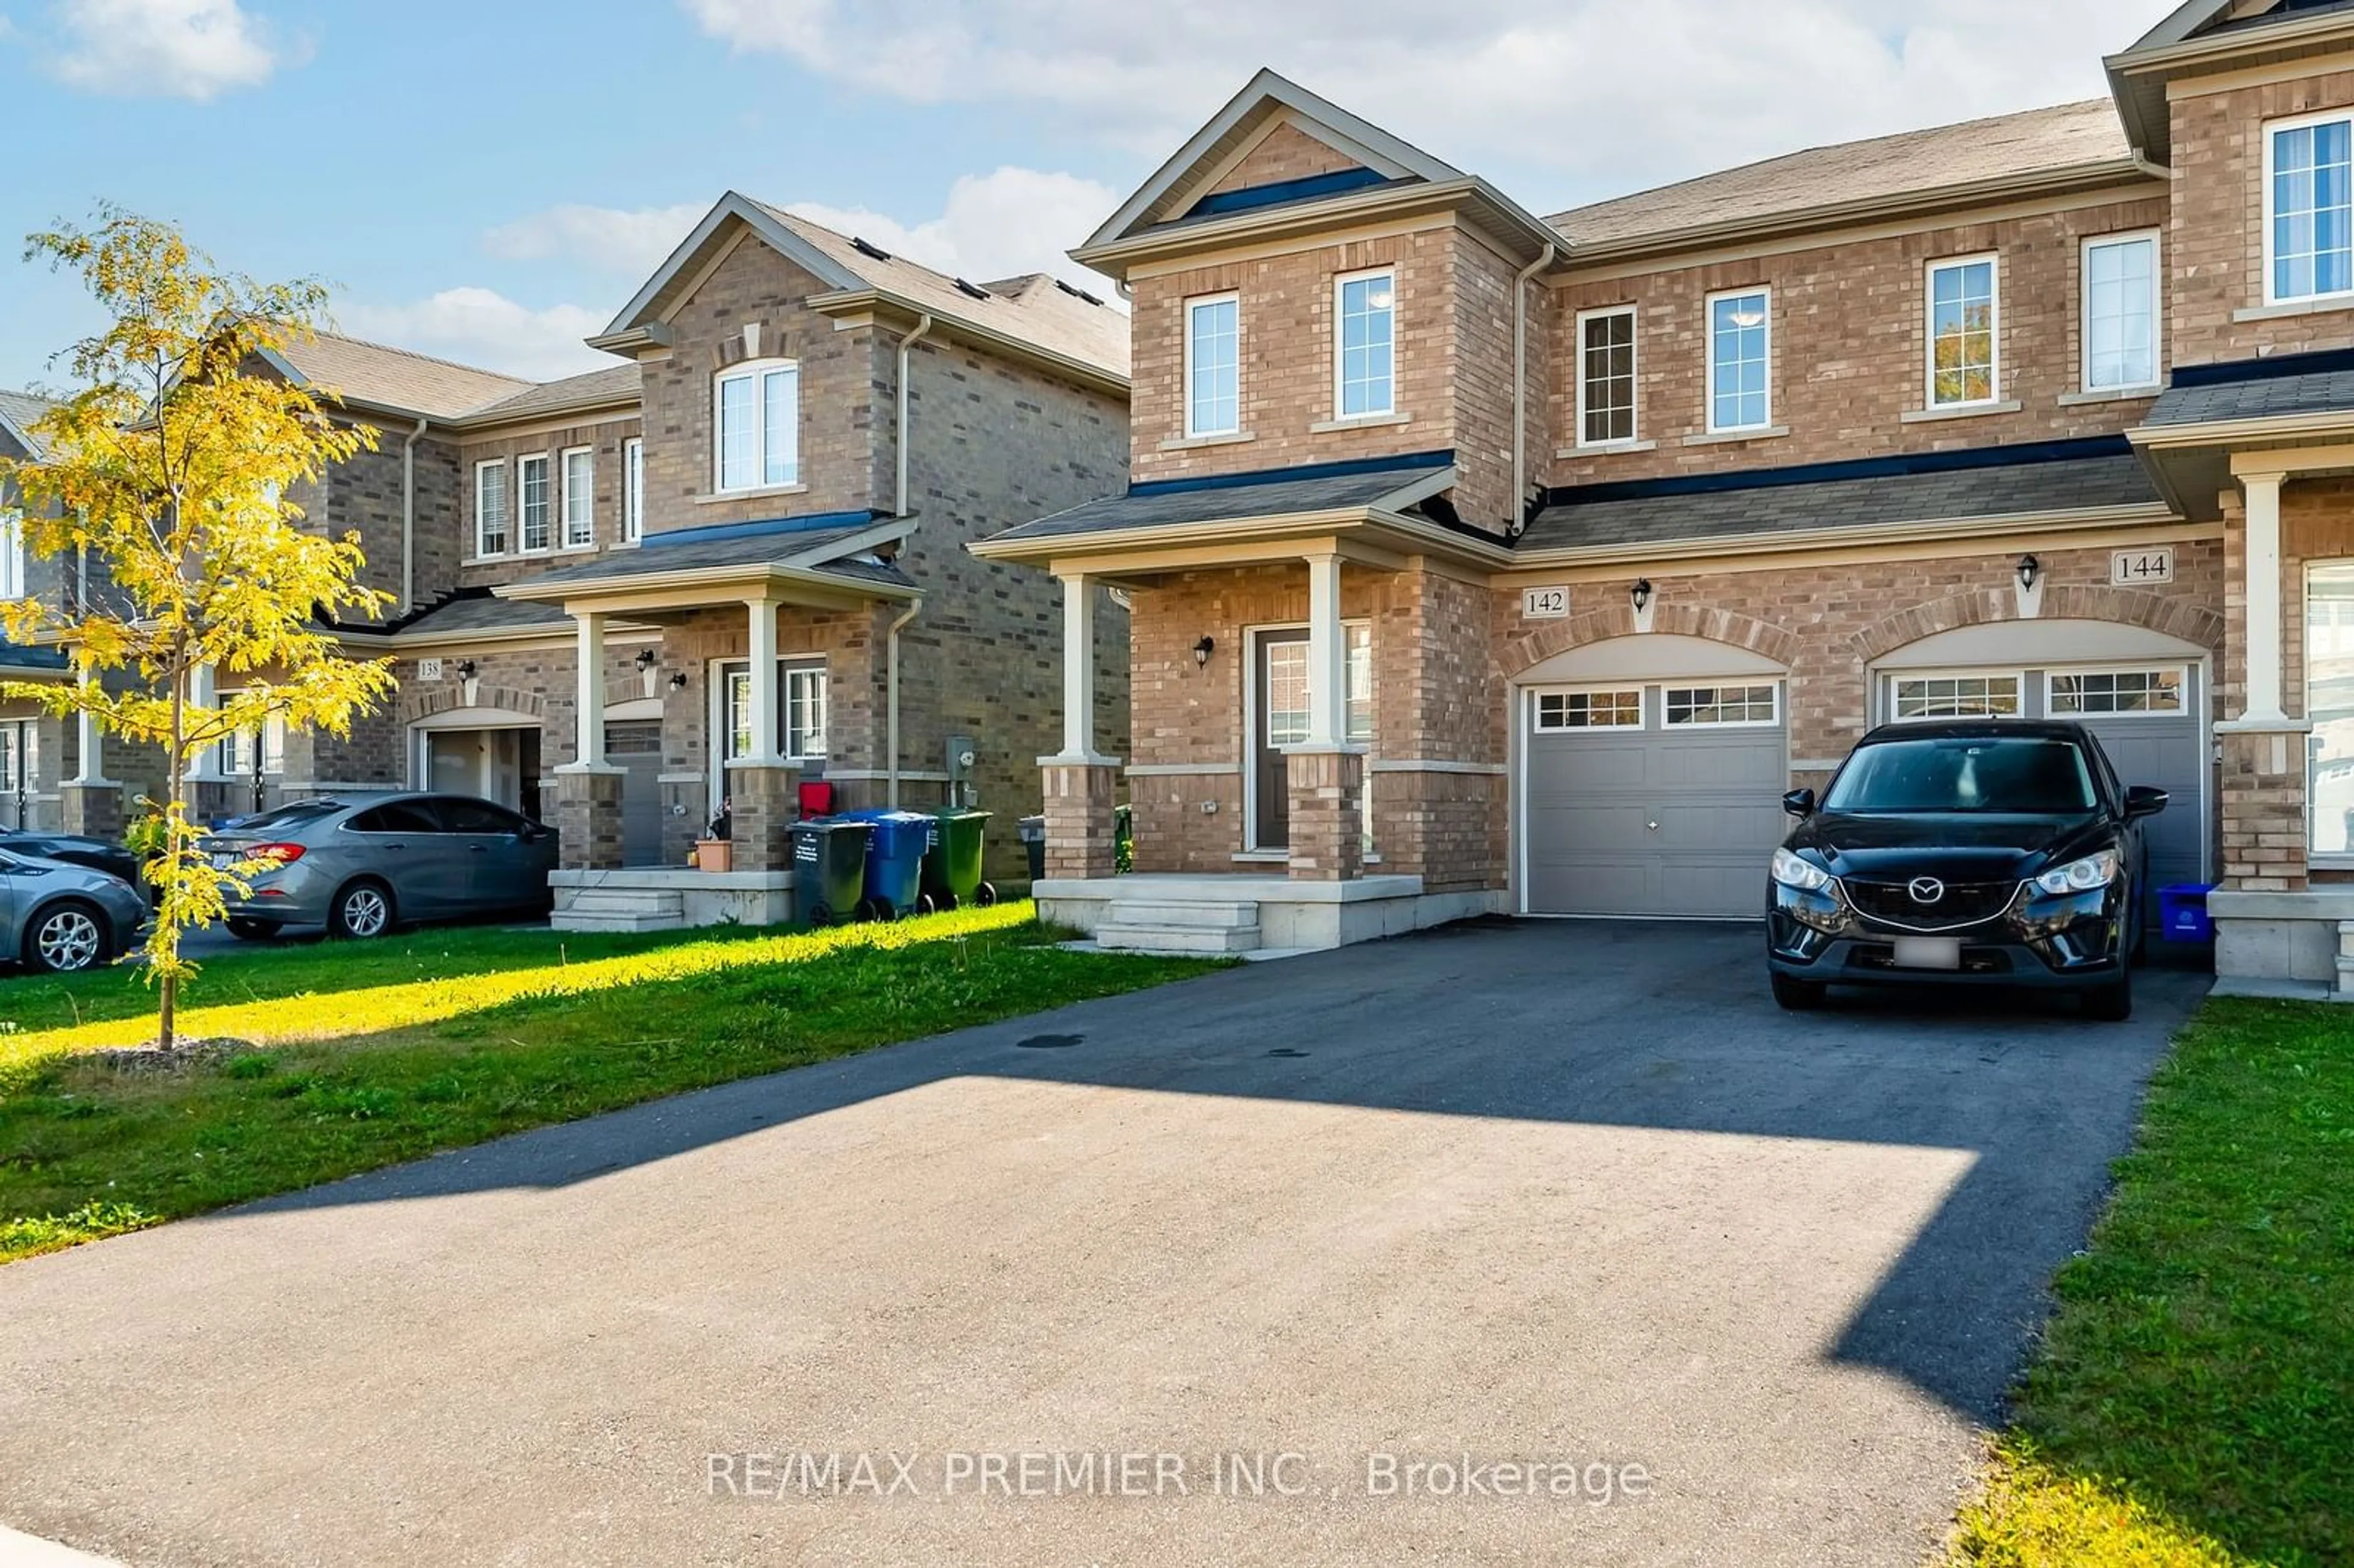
point(58, 918)
point(359, 863)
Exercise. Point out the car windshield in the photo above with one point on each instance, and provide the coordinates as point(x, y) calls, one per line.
point(2033, 775)
point(278, 818)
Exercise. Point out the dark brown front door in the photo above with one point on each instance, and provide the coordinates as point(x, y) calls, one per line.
point(1279, 705)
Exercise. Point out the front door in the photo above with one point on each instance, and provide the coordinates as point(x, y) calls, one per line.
point(1279, 702)
point(16, 773)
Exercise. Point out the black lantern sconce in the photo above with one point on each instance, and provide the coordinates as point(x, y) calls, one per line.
point(1202, 651)
point(2030, 569)
point(1640, 594)
point(465, 669)
point(644, 660)
point(678, 681)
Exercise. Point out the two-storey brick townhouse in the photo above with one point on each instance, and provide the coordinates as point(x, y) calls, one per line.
point(1481, 561)
point(739, 551)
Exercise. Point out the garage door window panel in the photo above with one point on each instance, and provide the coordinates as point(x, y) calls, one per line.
point(1558, 712)
point(1722, 707)
point(2083, 694)
point(1956, 696)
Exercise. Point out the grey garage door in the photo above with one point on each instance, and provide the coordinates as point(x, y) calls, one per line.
point(1659, 800)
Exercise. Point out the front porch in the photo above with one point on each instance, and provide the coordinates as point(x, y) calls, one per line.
point(1164, 912)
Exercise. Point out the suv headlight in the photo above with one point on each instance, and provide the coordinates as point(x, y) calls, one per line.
point(1803, 874)
point(2095, 871)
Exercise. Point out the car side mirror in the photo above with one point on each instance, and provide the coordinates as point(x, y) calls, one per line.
point(1800, 802)
point(2144, 801)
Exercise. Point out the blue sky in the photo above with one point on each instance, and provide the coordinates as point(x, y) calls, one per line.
point(488, 181)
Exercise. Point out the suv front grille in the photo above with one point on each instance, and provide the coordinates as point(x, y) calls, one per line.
point(1960, 905)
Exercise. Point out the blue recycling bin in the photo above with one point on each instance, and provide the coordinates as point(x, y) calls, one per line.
point(2182, 913)
point(894, 860)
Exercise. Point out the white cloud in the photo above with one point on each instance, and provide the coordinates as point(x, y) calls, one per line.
point(483, 327)
point(167, 48)
point(1610, 93)
point(631, 241)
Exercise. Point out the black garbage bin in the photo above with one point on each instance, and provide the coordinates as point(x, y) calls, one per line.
point(830, 867)
point(1034, 844)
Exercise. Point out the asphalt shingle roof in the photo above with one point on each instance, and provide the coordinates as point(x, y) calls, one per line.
point(478, 611)
point(2066, 135)
point(2270, 397)
point(613, 383)
point(389, 377)
point(802, 547)
point(20, 409)
point(1153, 506)
point(1615, 518)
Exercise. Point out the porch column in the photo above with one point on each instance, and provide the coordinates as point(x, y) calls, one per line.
point(1078, 782)
point(763, 794)
point(2263, 771)
point(1325, 774)
point(588, 789)
point(2262, 699)
point(209, 795)
point(90, 802)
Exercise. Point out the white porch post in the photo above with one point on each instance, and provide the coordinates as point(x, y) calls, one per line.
point(1078, 669)
point(2262, 699)
point(765, 752)
point(92, 748)
point(204, 692)
point(588, 727)
point(1328, 655)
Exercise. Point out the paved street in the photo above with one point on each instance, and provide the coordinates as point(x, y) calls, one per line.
point(1571, 1194)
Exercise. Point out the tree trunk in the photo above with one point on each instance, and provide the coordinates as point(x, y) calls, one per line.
point(164, 950)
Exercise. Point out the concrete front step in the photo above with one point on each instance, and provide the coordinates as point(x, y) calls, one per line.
point(579, 919)
point(1199, 914)
point(1127, 935)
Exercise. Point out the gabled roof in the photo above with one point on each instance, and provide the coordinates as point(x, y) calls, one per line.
point(2067, 142)
point(1051, 318)
point(2203, 35)
point(376, 376)
point(833, 545)
point(18, 412)
point(615, 384)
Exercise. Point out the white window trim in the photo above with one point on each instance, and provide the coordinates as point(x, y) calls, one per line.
point(1607, 688)
point(1340, 281)
point(753, 371)
point(2157, 312)
point(12, 553)
point(224, 758)
point(1233, 431)
point(1635, 377)
point(2269, 131)
point(1891, 679)
point(564, 506)
point(2181, 672)
point(506, 523)
point(1929, 271)
point(518, 544)
point(1708, 351)
point(714, 681)
point(1667, 722)
point(633, 490)
point(1253, 635)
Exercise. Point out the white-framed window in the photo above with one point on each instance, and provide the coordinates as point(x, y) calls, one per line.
point(12, 553)
point(800, 717)
point(2096, 693)
point(633, 490)
point(756, 425)
point(1976, 695)
point(1616, 708)
point(2330, 705)
point(1364, 360)
point(1214, 365)
point(535, 508)
point(1740, 361)
point(1287, 715)
point(1964, 332)
point(1606, 376)
point(2121, 311)
point(491, 507)
point(237, 752)
point(579, 497)
point(2310, 207)
point(1723, 708)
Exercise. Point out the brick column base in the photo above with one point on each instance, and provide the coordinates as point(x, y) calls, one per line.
point(1327, 822)
point(1080, 841)
point(95, 811)
point(763, 803)
point(589, 820)
point(2263, 809)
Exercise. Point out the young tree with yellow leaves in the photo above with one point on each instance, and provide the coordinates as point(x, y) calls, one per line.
point(169, 473)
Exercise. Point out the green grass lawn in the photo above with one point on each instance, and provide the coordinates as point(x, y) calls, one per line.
point(381, 1052)
point(2193, 1400)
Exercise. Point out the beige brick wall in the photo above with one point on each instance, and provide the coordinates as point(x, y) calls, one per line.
point(1287, 154)
point(604, 439)
point(1849, 348)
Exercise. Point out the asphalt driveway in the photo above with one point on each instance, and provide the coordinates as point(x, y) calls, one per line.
point(1576, 1199)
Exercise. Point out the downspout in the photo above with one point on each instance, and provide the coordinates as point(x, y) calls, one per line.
point(408, 517)
point(1521, 388)
point(915, 607)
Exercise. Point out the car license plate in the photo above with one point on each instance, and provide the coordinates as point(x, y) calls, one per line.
point(224, 859)
point(1928, 952)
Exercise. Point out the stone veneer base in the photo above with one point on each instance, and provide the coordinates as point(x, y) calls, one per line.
point(1292, 915)
point(664, 899)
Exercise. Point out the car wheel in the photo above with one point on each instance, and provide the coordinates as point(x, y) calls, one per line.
point(820, 916)
point(361, 910)
point(2113, 1002)
point(245, 929)
point(1797, 995)
point(66, 939)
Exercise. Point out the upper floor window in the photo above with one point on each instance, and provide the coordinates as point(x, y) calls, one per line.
point(2121, 313)
point(1213, 366)
point(491, 507)
point(2309, 209)
point(12, 553)
point(758, 416)
point(1363, 370)
point(579, 497)
point(1962, 333)
point(1606, 376)
point(633, 490)
point(531, 485)
point(1740, 361)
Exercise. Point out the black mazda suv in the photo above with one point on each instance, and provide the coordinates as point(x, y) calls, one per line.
point(1969, 851)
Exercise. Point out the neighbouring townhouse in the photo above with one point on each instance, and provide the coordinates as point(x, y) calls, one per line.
point(1481, 561)
point(729, 564)
point(37, 754)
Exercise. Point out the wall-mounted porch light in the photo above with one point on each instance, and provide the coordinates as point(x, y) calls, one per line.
point(2030, 569)
point(465, 669)
point(1640, 594)
point(678, 681)
point(644, 660)
point(1202, 651)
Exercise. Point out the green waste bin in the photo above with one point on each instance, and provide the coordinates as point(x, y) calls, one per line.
point(830, 868)
point(952, 865)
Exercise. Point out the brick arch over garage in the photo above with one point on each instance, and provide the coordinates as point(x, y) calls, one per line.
point(2062, 601)
point(1760, 637)
point(423, 703)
